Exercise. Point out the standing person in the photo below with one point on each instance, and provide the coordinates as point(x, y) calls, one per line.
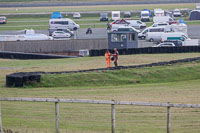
point(108, 26)
point(115, 55)
point(107, 56)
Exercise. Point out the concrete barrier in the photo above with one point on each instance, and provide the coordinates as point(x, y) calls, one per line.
point(53, 46)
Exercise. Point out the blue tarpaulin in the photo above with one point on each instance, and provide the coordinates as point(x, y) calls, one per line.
point(56, 15)
point(181, 21)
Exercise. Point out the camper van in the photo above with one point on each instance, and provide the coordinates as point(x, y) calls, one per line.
point(63, 23)
point(115, 15)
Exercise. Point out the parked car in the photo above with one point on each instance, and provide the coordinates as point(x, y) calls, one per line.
point(137, 24)
point(3, 20)
point(127, 14)
point(159, 24)
point(165, 44)
point(177, 13)
point(61, 29)
point(76, 15)
point(127, 28)
point(103, 16)
point(178, 43)
point(60, 34)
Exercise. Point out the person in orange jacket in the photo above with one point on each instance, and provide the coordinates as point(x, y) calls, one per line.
point(107, 56)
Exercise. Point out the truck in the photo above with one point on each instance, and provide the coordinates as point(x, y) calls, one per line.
point(145, 16)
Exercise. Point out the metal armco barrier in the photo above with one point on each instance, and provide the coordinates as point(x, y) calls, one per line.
point(21, 55)
point(149, 50)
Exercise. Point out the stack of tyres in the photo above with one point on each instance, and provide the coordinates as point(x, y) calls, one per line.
point(18, 81)
point(10, 80)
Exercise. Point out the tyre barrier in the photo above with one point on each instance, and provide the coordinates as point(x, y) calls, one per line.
point(24, 78)
point(21, 55)
point(148, 50)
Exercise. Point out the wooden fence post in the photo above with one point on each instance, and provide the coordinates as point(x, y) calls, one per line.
point(57, 116)
point(0, 121)
point(168, 119)
point(113, 117)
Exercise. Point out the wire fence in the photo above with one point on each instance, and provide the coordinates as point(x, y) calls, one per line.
point(44, 115)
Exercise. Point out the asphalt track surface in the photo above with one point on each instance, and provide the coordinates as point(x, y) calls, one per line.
point(28, 4)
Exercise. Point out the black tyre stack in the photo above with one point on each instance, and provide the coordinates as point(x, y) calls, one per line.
point(21, 79)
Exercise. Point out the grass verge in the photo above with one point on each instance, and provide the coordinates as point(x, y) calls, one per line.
point(159, 74)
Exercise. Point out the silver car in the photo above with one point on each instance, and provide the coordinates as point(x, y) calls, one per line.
point(60, 34)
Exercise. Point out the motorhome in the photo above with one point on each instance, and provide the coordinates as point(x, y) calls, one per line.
point(115, 15)
point(63, 23)
point(145, 16)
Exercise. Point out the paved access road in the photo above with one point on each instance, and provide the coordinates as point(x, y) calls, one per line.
point(193, 32)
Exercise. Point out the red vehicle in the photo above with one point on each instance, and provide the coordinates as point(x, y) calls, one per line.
point(3, 20)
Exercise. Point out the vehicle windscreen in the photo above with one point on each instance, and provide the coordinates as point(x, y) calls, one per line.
point(145, 15)
point(104, 15)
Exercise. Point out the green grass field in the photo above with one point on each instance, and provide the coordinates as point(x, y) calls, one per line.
point(174, 83)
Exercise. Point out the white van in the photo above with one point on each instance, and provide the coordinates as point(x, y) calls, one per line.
point(63, 23)
point(162, 19)
point(173, 36)
point(145, 16)
point(137, 24)
point(143, 34)
point(115, 15)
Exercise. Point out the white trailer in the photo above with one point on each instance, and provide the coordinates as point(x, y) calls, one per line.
point(115, 15)
point(159, 12)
